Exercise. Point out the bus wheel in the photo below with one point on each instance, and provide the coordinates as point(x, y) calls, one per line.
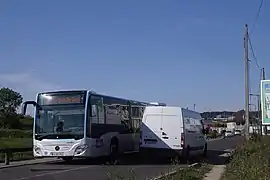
point(113, 157)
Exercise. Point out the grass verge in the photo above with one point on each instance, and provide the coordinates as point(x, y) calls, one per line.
point(191, 173)
point(13, 143)
point(250, 161)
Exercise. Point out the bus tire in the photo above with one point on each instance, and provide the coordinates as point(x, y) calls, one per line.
point(114, 154)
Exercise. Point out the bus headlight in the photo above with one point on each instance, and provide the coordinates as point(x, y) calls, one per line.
point(81, 149)
point(37, 150)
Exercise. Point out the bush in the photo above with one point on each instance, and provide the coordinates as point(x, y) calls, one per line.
point(16, 143)
point(213, 134)
point(250, 161)
point(26, 123)
point(15, 133)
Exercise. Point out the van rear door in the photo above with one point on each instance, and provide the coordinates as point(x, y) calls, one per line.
point(151, 131)
point(171, 127)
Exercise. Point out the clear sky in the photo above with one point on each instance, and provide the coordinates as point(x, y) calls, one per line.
point(176, 51)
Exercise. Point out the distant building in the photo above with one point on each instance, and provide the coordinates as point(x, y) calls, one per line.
point(208, 123)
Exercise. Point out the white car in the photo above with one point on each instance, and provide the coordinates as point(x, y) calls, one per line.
point(237, 132)
point(228, 133)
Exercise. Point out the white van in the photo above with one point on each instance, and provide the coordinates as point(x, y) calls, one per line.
point(172, 131)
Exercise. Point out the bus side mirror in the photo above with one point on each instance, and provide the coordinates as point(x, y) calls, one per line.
point(24, 106)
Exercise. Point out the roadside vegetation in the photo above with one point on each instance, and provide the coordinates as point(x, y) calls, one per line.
point(15, 130)
point(250, 161)
point(191, 173)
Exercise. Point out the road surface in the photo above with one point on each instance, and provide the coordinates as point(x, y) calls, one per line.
point(85, 170)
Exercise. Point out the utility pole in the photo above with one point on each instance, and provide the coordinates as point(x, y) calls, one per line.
point(263, 74)
point(246, 81)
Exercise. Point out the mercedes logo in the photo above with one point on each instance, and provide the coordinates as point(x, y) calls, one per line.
point(57, 148)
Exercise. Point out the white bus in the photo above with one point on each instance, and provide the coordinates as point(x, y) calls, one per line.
point(70, 124)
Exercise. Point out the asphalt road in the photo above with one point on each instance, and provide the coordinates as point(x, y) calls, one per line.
point(132, 167)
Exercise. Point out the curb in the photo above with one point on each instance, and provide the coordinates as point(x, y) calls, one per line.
point(174, 172)
point(217, 171)
point(26, 164)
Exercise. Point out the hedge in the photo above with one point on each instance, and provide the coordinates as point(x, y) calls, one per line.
point(16, 133)
point(251, 161)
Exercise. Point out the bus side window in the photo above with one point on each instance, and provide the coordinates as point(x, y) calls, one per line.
point(94, 110)
point(135, 112)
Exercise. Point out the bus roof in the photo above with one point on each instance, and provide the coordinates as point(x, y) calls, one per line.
point(93, 92)
point(63, 91)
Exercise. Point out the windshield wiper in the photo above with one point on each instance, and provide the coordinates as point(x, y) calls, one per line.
point(62, 135)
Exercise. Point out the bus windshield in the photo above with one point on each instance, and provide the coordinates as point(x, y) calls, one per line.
point(60, 122)
point(60, 116)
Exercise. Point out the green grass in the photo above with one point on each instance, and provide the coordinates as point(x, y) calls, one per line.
point(192, 173)
point(6, 142)
point(250, 161)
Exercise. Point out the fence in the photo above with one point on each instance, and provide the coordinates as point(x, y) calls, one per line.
point(8, 153)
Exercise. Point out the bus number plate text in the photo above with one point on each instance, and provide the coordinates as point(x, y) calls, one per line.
point(57, 153)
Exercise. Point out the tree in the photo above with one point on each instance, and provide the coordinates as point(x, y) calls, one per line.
point(9, 102)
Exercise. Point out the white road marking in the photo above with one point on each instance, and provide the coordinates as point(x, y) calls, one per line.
point(53, 173)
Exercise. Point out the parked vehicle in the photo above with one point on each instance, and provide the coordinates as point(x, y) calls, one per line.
point(228, 133)
point(237, 132)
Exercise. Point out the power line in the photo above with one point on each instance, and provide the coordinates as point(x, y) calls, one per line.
point(253, 53)
point(256, 17)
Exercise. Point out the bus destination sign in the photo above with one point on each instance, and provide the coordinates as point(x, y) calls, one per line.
point(47, 99)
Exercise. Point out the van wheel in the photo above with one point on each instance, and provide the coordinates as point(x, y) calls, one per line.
point(205, 150)
point(114, 155)
point(185, 155)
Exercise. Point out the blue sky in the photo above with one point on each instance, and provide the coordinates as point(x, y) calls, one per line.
point(180, 51)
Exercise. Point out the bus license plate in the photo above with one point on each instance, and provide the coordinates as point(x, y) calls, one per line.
point(56, 153)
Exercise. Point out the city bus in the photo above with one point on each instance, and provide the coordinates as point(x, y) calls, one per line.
point(85, 124)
